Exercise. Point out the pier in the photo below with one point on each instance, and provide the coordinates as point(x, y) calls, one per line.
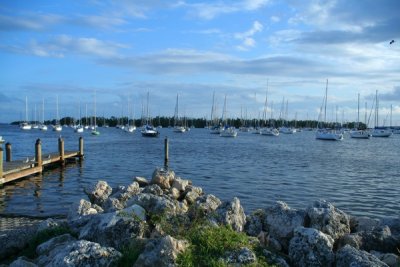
point(12, 170)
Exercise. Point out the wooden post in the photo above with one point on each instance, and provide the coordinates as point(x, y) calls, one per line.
point(81, 147)
point(8, 152)
point(166, 151)
point(61, 150)
point(1, 164)
point(38, 153)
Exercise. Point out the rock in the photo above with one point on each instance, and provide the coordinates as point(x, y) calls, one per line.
point(80, 253)
point(389, 258)
point(349, 256)
point(161, 252)
point(280, 222)
point(274, 259)
point(393, 224)
point(113, 229)
point(254, 223)
point(207, 204)
point(180, 184)
point(153, 189)
point(232, 213)
point(379, 239)
point(49, 245)
point(99, 192)
point(240, 257)
point(310, 247)
point(48, 224)
point(359, 224)
point(163, 178)
point(123, 193)
point(141, 181)
point(82, 208)
point(154, 204)
point(22, 262)
point(323, 216)
point(13, 241)
point(192, 193)
point(174, 193)
point(134, 210)
point(112, 204)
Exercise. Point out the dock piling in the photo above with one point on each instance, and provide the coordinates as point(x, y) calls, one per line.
point(81, 147)
point(8, 152)
point(38, 153)
point(61, 150)
point(166, 152)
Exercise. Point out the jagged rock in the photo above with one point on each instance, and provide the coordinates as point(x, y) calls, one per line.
point(323, 216)
point(359, 224)
point(280, 222)
point(349, 256)
point(82, 208)
point(232, 213)
point(254, 222)
point(163, 178)
point(161, 252)
point(80, 253)
point(113, 229)
point(207, 203)
point(22, 262)
point(13, 241)
point(99, 192)
point(240, 257)
point(154, 204)
point(389, 258)
point(393, 224)
point(48, 224)
point(379, 239)
point(123, 193)
point(192, 193)
point(112, 204)
point(180, 184)
point(274, 259)
point(310, 247)
point(174, 193)
point(153, 189)
point(60, 240)
point(141, 181)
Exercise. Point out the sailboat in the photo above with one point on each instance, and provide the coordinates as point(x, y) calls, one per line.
point(379, 131)
point(357, 132)
point(228, 131)
point(327, 133)
point(178, 127)
point(57, 127)
point(148, 130)
point(130, 128)
point(42, 126)
point(26, 125)
point(95, 131)
point(215, 125)
point(285, 129)
point(79, 128)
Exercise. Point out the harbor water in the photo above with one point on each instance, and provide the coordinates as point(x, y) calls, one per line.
point(361, 177)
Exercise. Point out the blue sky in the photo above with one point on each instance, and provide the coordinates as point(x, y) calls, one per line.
point(124, 49)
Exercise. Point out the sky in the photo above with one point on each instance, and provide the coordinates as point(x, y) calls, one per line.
point(245, 50)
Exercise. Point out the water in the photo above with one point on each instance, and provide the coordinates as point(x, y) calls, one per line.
point(361, 177)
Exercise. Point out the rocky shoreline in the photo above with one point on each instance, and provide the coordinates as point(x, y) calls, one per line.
point(164, 220)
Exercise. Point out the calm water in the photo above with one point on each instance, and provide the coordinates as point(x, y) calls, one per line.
point(361, 177)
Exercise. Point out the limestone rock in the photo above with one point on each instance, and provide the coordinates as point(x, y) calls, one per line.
point(207, 204)
point(80, 253)
point(359, 224)
point(112, 204)
point(153, 189)
point(310, 247)
point(82, 208)
point(134, 211)
point(192, 193)
point(13, 241)
point(274, 259)
point(49, 245)
point(254, 223)
point(123, 193)
point(280, 222)
point(240, 257)
point(154, 204)
point(389, 258)
point(48, 224)
point(174, 193)
point(161, 252)
point(141, 181)
point(163, 178)
point(99, 192)
point(232, 213)
point(180, 184)
point(393, 224)
point(22, 262)
point(349, 256)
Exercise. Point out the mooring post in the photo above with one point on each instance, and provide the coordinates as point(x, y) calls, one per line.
point(8, 152)
point(166, 152)
point(1, 164)
point(61, 150)
point(38, 153)
point(81, 147)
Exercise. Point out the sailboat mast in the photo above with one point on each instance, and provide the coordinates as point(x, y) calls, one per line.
point(26, 108)
point(358, 111)
point(57, 116)
point(94, 110)
point(326, 99)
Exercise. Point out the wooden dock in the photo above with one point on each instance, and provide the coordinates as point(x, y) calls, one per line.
point(12, 170)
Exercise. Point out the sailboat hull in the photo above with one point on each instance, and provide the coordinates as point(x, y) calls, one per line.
point(328, 135)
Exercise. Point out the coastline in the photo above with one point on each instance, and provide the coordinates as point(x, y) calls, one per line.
point(158, 213)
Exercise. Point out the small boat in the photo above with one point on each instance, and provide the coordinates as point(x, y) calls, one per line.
point(270, 132)
point(357, 132)
point(228, 132)
point(95, 131)
point(178, 124)
point(381, 132)
point(149, 131)
point(25, 125)
point(1, 140)
point(287, 130)
point(57, 127)
point(179, 129)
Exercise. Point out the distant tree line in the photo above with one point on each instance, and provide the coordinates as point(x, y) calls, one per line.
point(198, 122)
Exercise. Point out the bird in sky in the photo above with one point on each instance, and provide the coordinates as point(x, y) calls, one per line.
point(391, 42)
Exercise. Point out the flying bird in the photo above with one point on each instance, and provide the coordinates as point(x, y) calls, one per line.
point(391, 42)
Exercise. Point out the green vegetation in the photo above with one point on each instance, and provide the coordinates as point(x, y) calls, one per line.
point(130, 254)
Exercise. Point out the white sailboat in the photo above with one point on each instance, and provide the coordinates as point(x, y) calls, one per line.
point(57, 127)
point(79, 128)
point(148, 130)
point(379, 131)
point(178, 125)
point(42, 126)
point(357, 133)
point(95, 131)
point(130, 128)
point(26, 125)
point(327, 133)
point(215, 125)
point(228, 131)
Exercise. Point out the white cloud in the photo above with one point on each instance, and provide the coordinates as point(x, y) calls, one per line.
point(247, 37)
point(29, 22)
point(275, 19)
